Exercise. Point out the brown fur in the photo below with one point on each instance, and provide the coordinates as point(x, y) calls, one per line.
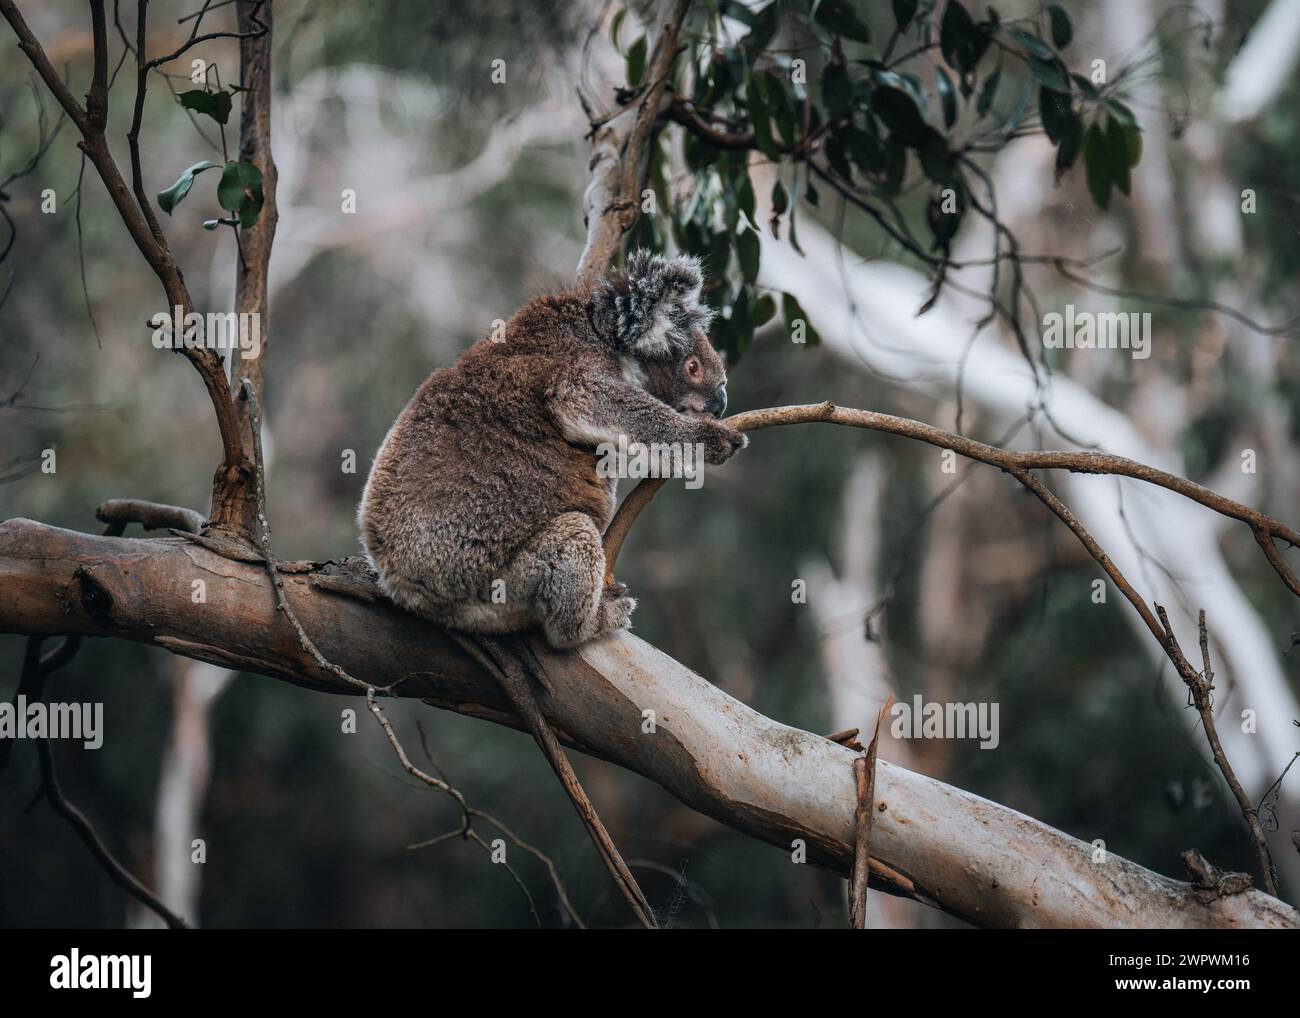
point(489, 474)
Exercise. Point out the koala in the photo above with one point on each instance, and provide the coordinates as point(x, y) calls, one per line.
point(484, 510)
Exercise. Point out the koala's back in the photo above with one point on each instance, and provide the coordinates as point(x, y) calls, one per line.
point(475, 466)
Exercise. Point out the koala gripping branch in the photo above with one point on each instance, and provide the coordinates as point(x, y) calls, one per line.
point(1267, 531)
point(1021, 465)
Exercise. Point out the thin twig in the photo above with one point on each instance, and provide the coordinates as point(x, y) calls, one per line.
point(31, 685)
point(864, 775)
point(1014, 462)
point(501, 661)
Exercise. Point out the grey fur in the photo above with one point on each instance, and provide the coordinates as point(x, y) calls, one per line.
point(487, 483)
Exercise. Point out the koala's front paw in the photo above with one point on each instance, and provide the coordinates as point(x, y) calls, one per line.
point(616, 612)
point(721, 442)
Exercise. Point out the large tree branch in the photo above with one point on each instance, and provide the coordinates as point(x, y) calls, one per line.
point(966, 855)
point(1021, 466)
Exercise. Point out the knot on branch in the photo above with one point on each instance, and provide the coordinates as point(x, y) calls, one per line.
point(94, 596)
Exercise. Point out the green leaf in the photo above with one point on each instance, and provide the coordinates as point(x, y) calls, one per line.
point(781, 107)
point(948, 97)
point(780, 199)
point(961, 41)
point(1050, 73)
point(739, 327)
point(1121, 112)
point(838, 16)
point(747, 251)
point(763, 27)
point(904, 11)
point(216, 105)
point(211, 224)
point(1034, 45)
point(1055, 111)
point(895, 165)
point(956, 25)
point(169, 198)
point(943, 225)
point(898, 112)
point(760, 117)
point(834, 150)
point(1062, 30)
point(1117, 154)
point(937, 160)
point(1097, 162)
point(745, 196)
point(864, 150)
point(719, 254)
point(990, 89)
point(614, 26)
point(837, 91)
point(790, 312)
point(240, 191)
point(1134, 137)
point(764, 309)
point(636, 62)
point(1088, 89)
point(1071, 141)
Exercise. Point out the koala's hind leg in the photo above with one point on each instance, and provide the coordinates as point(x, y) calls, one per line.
point(563, 568)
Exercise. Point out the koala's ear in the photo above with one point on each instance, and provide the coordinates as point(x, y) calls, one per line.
point(652, 308)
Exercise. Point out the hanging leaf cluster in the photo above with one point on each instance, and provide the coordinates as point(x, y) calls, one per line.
point(888, 103)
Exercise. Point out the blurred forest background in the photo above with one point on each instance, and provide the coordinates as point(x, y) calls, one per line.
point(468, 203)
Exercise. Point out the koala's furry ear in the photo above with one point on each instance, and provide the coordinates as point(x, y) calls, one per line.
point(652, 308)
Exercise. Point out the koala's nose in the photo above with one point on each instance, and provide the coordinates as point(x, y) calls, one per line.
point(718, 405)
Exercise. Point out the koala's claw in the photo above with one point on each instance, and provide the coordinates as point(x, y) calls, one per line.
point(721, 442)
point(615, 589)
point(616, 612)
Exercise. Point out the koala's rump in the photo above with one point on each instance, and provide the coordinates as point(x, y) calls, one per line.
point(473, 469)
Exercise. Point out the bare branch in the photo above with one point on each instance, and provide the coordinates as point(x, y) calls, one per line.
point(1016, 463)
point(864, 774)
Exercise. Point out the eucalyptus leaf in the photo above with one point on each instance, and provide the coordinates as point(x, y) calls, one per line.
point(904, 11)
point(1059, 22)
point(838, 16)
point(636, 62)
point(216, 105)
point(747, 252)
point(792, 312)
point(947, 96)
point(1096, 159)
point(172, 196)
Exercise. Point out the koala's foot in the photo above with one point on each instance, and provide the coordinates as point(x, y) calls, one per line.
point(615, 612)
point(721, 441)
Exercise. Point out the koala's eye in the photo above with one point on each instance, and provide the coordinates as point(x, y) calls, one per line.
point(693, 370)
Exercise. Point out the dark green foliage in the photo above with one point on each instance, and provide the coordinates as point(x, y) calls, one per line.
point(818, 93)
